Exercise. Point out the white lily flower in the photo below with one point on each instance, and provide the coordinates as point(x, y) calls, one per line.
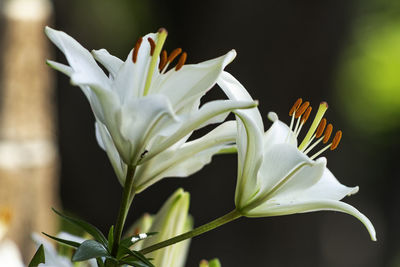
point(171, 220)
point(141, 107)
point(275, 174)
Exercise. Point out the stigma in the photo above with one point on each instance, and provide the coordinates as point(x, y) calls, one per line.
point(318, 132)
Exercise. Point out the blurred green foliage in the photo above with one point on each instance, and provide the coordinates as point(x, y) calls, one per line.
point(369, 74)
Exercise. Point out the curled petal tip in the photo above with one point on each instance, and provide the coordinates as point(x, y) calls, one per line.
point(272, 116)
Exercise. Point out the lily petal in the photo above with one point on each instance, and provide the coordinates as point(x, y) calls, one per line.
point(206, 113)
point(135, 121)
point(191, 82)
point(131, 77)
point(86, 71)
point(110, 62)
point(105, 142)
point(187, 159)
point(285, 208)
point(67, 70)
point(278, 133)
point(328, 187)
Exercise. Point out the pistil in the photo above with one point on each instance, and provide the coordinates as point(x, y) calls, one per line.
point(162, 36)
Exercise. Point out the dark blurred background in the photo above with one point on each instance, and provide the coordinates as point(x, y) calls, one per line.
point(345, 52)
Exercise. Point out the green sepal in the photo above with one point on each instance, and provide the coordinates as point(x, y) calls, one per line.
point(38, 258)
point(111, 238)
point(90, 249)
point(89, 228)
point(63, 241)
point(214, 263)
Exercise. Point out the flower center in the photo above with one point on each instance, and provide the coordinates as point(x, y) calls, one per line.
point(155, 53)
point(318, 131)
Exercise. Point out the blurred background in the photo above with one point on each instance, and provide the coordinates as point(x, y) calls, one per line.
point(345, 52)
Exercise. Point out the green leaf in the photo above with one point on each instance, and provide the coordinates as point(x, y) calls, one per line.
point(133, 262)
point(135, 255)
point(38, 258)
point(63, 241)
point(90, 249)
point(89, 228)
point(214, 263)
point(127, 242)
point(100, 262)
point(111, 237)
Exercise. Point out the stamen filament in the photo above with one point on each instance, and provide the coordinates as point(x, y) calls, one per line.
point(312, 146)
point(320, 152)
point(162, 36)
point(318, 117)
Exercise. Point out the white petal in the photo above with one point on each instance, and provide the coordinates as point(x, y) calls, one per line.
point(235, 91)
point(191, 82)
point(316, 205)
point(10, 255)
point(205, 114)
point(105, 142)
point(284, 165)
point(86, 71)
point(110, 62)
point(279, 133)
point(135, 122)
point(67, 70)
point(187, 159)
point(249, 142)
point(328, 187)
point(131, 77)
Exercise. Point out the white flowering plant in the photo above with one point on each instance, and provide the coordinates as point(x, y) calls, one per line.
point(145, 111)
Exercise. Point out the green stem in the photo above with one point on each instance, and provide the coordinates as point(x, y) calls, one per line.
point(195, 232)
point(123, 209)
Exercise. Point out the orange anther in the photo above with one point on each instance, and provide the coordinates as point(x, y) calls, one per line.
point(302, 109)
point(152, 46)
point(163, 60)
point(181, 61)
point(295, 106)
point(336, 140)
point(136, 49)
point(321, 128)
point(306, 115)
point(174, 54)
point(328, 132)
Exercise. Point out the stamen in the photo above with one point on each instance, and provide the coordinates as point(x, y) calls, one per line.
point(174, 54)
point(163, 60)
point(304, 118)
point(136, 49)
point(152, 46)
point(328, 133)
point(321, 128)
point(302, 109)
point(318, 117)
point(161, 37)
point(295, 106)
point(336, 140)
point(181, 61)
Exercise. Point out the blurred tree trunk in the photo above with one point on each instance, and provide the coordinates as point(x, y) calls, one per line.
point(28, 154)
